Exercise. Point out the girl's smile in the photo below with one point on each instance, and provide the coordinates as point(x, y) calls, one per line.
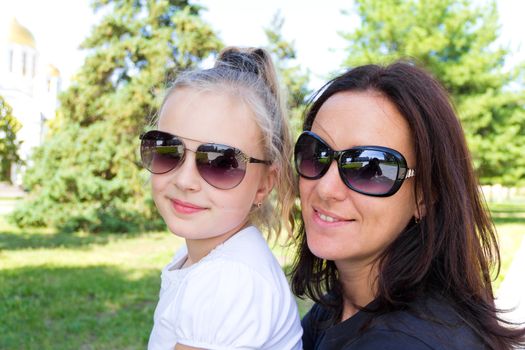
point(185, 207)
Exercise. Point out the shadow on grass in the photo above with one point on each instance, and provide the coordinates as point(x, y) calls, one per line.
point(508, 210)
point(76, 308)
point(508, 220)
point(507, 213)
point(34, 239)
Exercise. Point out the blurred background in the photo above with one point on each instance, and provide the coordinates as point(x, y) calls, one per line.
point(81, 244)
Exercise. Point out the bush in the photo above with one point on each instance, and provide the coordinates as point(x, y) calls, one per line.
point(95, 187)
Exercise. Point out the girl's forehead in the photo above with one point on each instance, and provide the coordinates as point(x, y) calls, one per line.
point(211, 116)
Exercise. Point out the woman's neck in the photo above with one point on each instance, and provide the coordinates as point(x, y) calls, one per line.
point(359, 287)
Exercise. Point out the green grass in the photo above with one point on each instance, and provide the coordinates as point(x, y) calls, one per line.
point(99, 291)
point(79, 291)
point(510, 225)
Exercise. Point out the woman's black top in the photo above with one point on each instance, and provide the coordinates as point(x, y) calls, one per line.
point(429, 324)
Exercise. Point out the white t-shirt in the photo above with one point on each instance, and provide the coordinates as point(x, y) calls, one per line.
point(236, 297)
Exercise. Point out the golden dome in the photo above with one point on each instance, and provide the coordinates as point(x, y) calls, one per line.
point(20, 35)
point(52, 71)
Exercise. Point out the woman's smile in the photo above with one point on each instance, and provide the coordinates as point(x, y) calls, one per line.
point(323, 217)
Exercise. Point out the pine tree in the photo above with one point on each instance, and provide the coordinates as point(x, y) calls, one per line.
point(293, 78)
point(87, 175)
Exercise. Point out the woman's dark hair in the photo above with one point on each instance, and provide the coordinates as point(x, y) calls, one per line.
point(452, 250)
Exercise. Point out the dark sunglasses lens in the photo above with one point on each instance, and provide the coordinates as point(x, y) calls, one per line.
point(160, 152)
point(312, 157)
point(369, 171)
point(220, 166)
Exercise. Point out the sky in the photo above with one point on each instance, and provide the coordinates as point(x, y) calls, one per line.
point(59, 26)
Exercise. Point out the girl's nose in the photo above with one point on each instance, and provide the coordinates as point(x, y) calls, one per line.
point(186, 177)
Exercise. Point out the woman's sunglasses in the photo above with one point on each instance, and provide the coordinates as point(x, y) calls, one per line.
point(370, 170)
point(221, 166)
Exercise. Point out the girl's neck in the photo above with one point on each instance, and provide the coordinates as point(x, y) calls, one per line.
point(359, 287)
point(199, 248)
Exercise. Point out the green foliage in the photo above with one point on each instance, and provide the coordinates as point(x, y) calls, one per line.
point(9, 126)
point(87, 174)
point(292, 76)
point(456, 42)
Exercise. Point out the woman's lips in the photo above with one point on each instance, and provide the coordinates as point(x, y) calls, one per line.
point(328, 219)
point(185, 207)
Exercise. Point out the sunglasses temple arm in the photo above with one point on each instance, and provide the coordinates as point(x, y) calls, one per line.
point(255, 160)
point(410, 173)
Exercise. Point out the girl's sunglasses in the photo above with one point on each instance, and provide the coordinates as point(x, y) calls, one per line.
point(370, 170)
point(221, 166)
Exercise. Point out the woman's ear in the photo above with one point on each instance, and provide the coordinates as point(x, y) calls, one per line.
point(266, 184)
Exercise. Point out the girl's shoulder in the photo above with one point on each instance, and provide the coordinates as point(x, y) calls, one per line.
point(227, 297)
point(243, 261)
point(247, 251)
point(236, 272)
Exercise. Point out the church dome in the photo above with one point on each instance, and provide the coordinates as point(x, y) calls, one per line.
point(52, 71)
point(20, 35)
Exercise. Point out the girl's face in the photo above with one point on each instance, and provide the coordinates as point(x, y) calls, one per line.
point(341, 224)
point(191, 207)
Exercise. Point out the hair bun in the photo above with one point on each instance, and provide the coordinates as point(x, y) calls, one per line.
point(253, 60)
point(245, 60)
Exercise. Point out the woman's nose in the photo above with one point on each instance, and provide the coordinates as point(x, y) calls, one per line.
point(331, 186)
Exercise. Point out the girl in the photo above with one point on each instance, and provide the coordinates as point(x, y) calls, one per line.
point(396, 257)
point(221, 145)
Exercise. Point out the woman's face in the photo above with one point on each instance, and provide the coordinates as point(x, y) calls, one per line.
point(341, 224)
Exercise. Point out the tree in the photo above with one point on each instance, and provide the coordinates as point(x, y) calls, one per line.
point(87, 174)
point(456, 41)
point(293, 78)
point(9, 146)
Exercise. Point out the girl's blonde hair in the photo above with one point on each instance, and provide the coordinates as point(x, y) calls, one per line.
point(249, 74)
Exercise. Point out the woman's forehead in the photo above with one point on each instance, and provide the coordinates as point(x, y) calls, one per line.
point(349, 119)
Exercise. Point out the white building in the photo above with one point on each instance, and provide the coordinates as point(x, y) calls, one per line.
point(30, 87)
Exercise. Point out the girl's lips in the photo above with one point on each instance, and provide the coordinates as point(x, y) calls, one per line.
point(185, 207)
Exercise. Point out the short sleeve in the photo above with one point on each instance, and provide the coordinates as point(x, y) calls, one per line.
point(226, 305)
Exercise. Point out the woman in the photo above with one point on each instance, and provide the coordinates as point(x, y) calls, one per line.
point(398, 257)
